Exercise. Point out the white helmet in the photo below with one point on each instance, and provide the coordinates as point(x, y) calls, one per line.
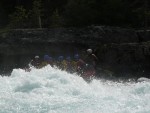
point(36, 57)
point(89, 51)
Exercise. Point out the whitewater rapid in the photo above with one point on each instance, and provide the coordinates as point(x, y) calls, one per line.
point(49, 90)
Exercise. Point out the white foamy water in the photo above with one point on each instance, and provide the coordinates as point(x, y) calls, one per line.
point(50, 90)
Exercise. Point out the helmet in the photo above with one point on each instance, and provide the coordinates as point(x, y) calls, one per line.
point(76, 56)
point(36, 57)
point(68, 58)
point(60, 58)
point(50, 58)
point(46, 57)
point(89, 51)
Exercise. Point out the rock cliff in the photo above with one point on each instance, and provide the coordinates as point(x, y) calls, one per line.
point(123, 51)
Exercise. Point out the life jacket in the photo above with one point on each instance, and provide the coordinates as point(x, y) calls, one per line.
point(90, 72)
point(89, 67)
point(43, 64)
point(64, 65)
point(69, 67)
point(79, 66)
point(74, 66)
point(36, 63)
point(91, 60)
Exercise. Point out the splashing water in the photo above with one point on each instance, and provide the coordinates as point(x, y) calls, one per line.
point(50, 90)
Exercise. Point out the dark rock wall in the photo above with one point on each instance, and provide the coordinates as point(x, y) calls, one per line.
point(126, 59)
point(119, 50)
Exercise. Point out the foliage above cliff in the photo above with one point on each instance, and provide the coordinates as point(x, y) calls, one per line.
point(42, 13)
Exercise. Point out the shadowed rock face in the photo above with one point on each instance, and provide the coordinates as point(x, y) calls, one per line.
point(126, 58)
point(118, 49)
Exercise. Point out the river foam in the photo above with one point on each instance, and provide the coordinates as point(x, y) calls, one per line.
point(49, 90)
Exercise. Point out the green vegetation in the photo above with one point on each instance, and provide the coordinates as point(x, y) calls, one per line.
point(19, 18)
point(56, 13)
point(37, 12)
point(56, 20)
